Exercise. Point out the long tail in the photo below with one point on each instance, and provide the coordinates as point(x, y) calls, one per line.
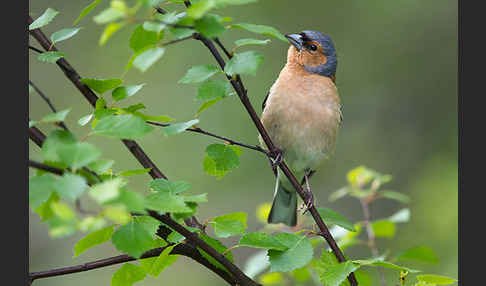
point(284, 206)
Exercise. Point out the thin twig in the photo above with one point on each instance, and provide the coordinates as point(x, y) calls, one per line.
point(228, 140)
point(44, 167)
point(365, 205)
point(177, 40)
point(48, 101)
point(35, 49)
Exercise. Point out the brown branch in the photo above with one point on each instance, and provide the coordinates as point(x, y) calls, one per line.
point(201, 131)
point(306, 196)
point(177, 40)
point(48, 101)
point(46, 168)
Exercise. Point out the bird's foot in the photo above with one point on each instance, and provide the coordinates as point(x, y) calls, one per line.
point(309, 195)
point(276, 157)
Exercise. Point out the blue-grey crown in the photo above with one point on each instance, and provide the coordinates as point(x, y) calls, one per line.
point(330, 67)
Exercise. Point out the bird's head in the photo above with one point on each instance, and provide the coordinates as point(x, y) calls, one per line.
point(314, 51)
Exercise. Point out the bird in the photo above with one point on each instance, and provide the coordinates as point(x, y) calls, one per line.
point(302, 115)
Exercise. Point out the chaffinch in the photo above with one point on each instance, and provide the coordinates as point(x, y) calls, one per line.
point(302, 114)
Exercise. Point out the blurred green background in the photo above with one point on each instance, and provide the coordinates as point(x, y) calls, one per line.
point(397, 81)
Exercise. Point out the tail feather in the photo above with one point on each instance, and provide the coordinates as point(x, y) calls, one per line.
point(284, 207)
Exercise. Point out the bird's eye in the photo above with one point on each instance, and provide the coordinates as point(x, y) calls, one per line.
point(313, 47)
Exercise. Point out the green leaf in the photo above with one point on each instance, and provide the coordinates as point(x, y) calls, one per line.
point(149, 223)
point(132, 201)
point(331, 216)
point(95, 238)
point(271, 278)
point(71, 186)
point(123, 92)
point(147, 58)
point(252, 42)
point(396, 196)
point(419, 253)
point(50, 57)
point(108, 15)
point(202, 198)
point(85, 119)
point(166, 202)
point(360, 176)
point(54, 142)
point(154, 26)
point(158, 264)
point(40, 189)
point(229, 224)
point(91, 223)
point(209, 26)
point(78, 155)
point(199, 73)
point(135, 172)
point(127, 275)
point(244, 63)
point(161, 118)
point(142, 38)
point(336, 274)
point(261, 240)
point(63, 34)
point(44, 210)
point(222, 159)
point(436, 279)
point(117, 213)
point(62, 211)
point(386, 264)
point(126, 126)
point(101, 165)
point(44, 19)
point(197, 10)
point(56, 117)
point(86, 10)
point(298, 254)
point(101, 85)
point(107, 190)
point(213, 89)
point(109, 30)
point(383, 228)
point(260, 29)
point(179, 127)
point(219, 247)
point(207, 104)
point(302, 274)
point(174, 187)
point(402, 215)
point(133, 239)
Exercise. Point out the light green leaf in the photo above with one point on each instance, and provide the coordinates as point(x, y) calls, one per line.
point(340, 193)
point(436, 279)
point(261, 240)
point(251, 42)
point(44, 19)
point(126, 126)
point(147, 58)
point(109, 30)
point(383, 228)
point(56, 117)
point(161, 262)
point(85, 119)
point(166, 202)
point(63, 34)
point(161, 118)
point(360, 176)
point(210, 26)
point(135, 172)
point(244, 63)
point(256, 264)
point(62, 211)
point(86, 10)
point(220, 159)
point(302, 274)
point(101, 165)
point(133, 239)
point(331, 216)
point(117, 213)
point(219, 247)
point(199, 73)
point(298, 254)
point(95, 238)
point(123, 92)
point(142, 38)
point(101, 85)
point(213, 89)
point(386, 264)
point(396, 196)
point(127, 275)
point(229, 224)
point(71, 186)
point(44, 210)
point(40, 189)
point(108, 15)
point(149, 223)
point(132, 201)
point(54, 142)
point(179, 127)
point(402, 215)
point(154, 26)
point(78, 155)
point(197, 10)
point(174, 187)
point(90, 223)
point(50, 57)
point(107, 190)
point(207, 104)
point(336, 274)
point(271, 278)
point(202, 198)
point(419, 253)
point(260, 29)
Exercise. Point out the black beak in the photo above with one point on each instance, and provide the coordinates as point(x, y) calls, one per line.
point(295, 40)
